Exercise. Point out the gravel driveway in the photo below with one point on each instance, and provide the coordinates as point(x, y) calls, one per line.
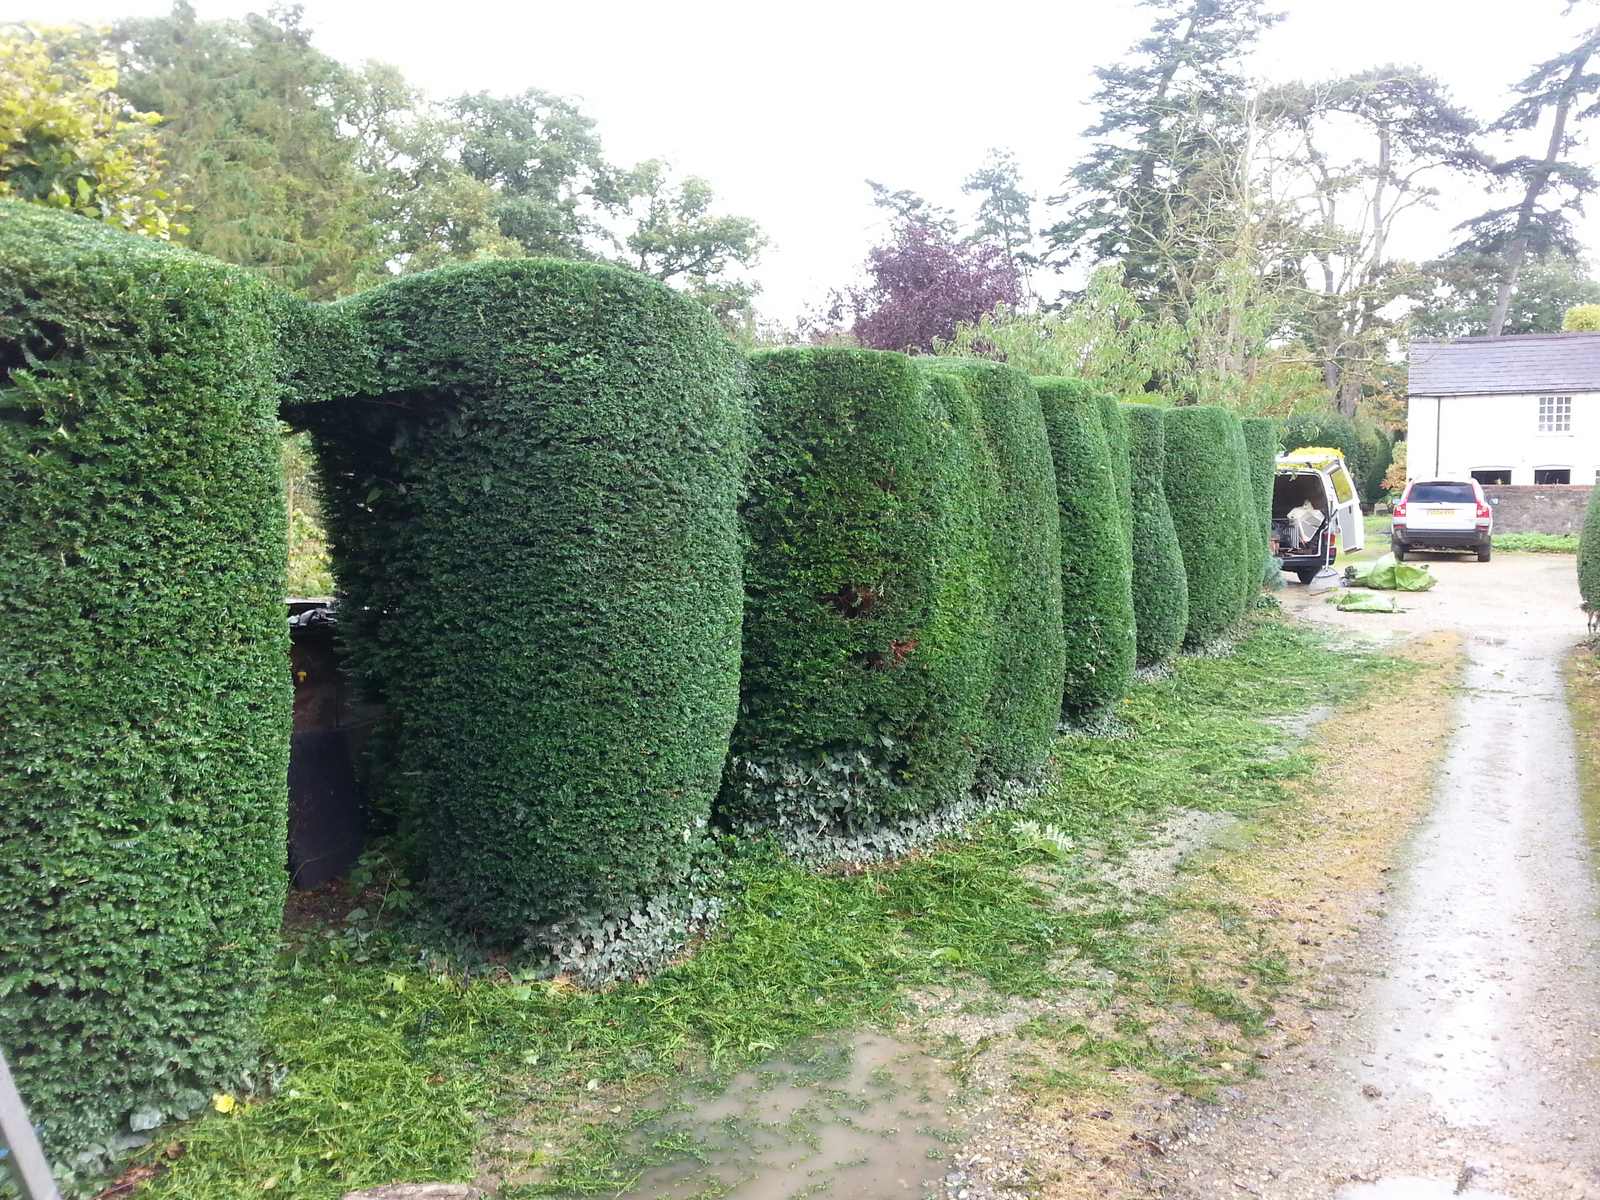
point(1471, 1065)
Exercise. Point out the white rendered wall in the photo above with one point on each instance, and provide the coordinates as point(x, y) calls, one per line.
point(1478, 433)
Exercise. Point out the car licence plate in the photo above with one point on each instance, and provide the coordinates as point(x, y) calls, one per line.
point(1439, 512)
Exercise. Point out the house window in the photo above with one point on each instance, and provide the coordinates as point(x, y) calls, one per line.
point(1555, 414)
point(1495, 475)
point(1552, 475)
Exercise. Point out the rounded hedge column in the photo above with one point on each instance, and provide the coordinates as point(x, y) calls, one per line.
point(1096, 566)
point(1251, 547)
point(869, 623)
point(1116, 430)
point(1589, 553)
point(1261, 445)
point(1160, 587)
point(1025, 540)
point(532, 499)
point(1205, 491)
point(145, 712)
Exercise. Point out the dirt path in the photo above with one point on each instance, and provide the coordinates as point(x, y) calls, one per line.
point(1468, 1062)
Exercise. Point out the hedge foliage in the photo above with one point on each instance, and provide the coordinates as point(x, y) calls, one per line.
point(1029, 654)
point(1261, 448)
point(146, 703)
point(1367, 449)
point(869, 608)
point(1096, 558)
point(1204, 482)
point(1116, 428)
point(1589, 553)
point(1160, 586)
point(532, 483)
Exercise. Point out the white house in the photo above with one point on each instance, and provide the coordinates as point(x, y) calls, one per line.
point(1521, 409)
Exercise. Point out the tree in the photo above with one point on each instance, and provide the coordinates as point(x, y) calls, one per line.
point(1463, 289)
point(1536, 225)
point(69, 140)
point(923, 283)
point(1584, 318)
point(253, 129)
point(1413, 132)
point(1005, 213)
point(1177, 94)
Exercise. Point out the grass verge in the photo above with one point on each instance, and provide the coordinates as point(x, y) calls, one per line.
point(1536, 543)
point(396, 1061)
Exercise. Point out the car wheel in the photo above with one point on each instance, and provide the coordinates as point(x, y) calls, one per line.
point(1398, 550)
point(1307, 574)
point(1483, 552)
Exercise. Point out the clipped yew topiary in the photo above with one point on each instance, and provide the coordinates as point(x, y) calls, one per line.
point(1261, 447)
point(1204, 481)
point(1116, 430)
point(146, 701)
point(1160, 587)
point(532, 490)
point(1025, 552)
point(1589, 554)
point(1096, 565)
point(869, 619)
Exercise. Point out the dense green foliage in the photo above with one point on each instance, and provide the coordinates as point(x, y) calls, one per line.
point(869, 612)
point(1261, 450)
point(1025, 556)
point(1096, 562)
point(1160, 586)
point(1205, 467)
point(146, 706)
point(531, 475)
point(1367, 449)
point(1116, 430)
point(1589, 553)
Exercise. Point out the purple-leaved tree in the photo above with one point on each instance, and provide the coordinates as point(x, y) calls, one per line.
point(921, 284)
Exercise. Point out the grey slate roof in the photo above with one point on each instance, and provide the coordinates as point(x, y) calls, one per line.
point(1523, 362)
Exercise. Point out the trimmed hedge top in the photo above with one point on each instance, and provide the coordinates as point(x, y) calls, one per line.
point(868, 615)
point(1160, 587)
point(532, 499)
point(1096, 563)
point(1025, 553)
point(146, 705)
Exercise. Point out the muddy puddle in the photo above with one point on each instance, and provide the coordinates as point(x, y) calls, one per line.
point(861, 1119)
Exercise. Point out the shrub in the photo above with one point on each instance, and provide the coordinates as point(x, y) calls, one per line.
point(1581, 318)
point(1261, 448)
point(531, 471)
point(1025, 554)
point(1096, 565)
point(1366, 448)
point(146, 705)
point(1116, 429)
point(1589, 553)
point(1160, 587)
point(869, 620)
point(1203, 479)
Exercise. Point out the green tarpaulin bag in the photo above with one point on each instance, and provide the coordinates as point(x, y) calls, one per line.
point(1389, 575)
point(1365, 602)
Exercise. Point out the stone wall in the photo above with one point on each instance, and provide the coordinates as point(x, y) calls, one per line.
point(1522, 508)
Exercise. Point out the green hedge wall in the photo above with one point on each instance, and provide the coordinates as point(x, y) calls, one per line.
point(146, 699)
point(1589, 553)
point(1204, 481)
point(1115, 425)
point(1261, 447)
point(532, 498)
point(1160, 587)
point(869, 619)
point(1096, 560)
point(1025, 550)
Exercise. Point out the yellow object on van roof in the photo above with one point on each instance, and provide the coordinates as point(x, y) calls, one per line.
point(1311, 456)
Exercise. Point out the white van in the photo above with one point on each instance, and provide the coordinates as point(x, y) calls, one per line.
point(1314, 484)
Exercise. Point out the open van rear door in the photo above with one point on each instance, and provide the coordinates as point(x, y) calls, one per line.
point(1352, 529)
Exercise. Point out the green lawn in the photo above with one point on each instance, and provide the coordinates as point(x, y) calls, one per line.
point(392, 1056)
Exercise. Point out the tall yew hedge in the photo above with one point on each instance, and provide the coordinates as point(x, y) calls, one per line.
point(1160, 587)
point(1261, 447)
point(532, 485)
point(1205, 485)
point(1029, 653)
point(869, 612)
point(1096, 564)
point(144, 721)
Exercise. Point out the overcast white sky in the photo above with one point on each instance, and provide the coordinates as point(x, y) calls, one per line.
point(787, 109)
